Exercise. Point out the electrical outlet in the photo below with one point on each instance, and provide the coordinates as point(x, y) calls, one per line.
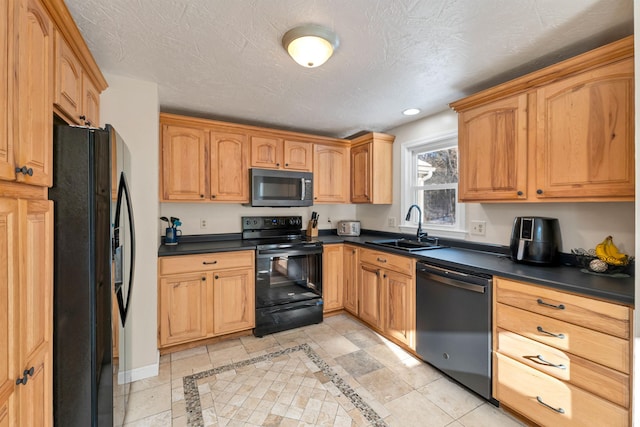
point(478, 228)
point(391, 221)
point(203, 223)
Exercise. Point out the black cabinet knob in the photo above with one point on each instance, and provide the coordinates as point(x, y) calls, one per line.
point(286, 165)
point(213, 196)
point(519, 193)
point(216, 276)
point(204, 278)
point(278, 164)
point(202, 196)
point(538, 191)
point(25, 170)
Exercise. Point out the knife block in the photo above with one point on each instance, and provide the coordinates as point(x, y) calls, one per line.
point(312, 231)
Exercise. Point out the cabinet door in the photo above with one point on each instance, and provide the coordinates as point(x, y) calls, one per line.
point(35, 95)
point(332, 277)
point(185, 308)
point(369, 308)
point(7, 162)
point(8, 298)
point(585, 134)
point(492, 146)
point(400, 305)
point(298, 155)
point(184, 161)
point(266, 153)
point(68, 80)
point(229, 171)
point(330, 174)
point(90, 102)
point(350, 279)
point(36, 311)
point(233, 301)
point(361, 173)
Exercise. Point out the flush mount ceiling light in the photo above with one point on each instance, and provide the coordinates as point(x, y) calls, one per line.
point(411, 111)
point(310, 45)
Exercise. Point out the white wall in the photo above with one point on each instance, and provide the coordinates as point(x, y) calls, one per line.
point(225, 218)
point(582, 225)
point(132, 107)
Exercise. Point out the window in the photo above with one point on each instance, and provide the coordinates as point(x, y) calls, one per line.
point(431, 182)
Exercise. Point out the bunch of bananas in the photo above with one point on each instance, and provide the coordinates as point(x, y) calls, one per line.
point(608, 252)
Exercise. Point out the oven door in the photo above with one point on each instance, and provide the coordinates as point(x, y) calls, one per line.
point(287, 275)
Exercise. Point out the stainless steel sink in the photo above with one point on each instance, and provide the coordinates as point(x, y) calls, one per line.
point(406, 245)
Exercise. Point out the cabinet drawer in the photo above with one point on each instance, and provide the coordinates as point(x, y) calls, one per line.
point(388, 261)
point(595, 346)
point(205, 262)
point(601, 316)
point(524, 389)
point(599, 380)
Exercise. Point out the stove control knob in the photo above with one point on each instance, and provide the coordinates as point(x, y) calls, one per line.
point(292, 221)
point(298, 221)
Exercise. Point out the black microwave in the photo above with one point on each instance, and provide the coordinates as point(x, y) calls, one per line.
point(278, 188)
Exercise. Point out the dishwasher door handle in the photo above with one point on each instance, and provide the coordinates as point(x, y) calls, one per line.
point(481, 289)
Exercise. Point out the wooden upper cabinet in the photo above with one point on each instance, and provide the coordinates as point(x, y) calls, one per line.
point(492, 142)
point(7, 163)
point(228, 167)
point(184, 160)
point(585, 134)
point(276, 153)
point(361, 174)
point(68, 80)
point(372, 169)
point(297, 155)
point(33, 150)
point(331, 174)
point(562, 133)
point(90, 102)
point(266, 152)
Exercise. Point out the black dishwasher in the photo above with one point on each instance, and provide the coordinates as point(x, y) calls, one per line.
point(453, 324)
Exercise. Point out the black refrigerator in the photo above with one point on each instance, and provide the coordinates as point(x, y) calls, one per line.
point(94, 249)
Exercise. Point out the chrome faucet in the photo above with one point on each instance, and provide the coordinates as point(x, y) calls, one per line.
point(419, 233)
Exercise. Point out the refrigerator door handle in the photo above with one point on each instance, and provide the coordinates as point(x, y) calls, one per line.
point(124, 197)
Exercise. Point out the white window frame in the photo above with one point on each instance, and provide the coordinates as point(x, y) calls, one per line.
point(407, 195)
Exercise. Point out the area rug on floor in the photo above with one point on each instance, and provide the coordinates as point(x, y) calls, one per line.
point(292, 383)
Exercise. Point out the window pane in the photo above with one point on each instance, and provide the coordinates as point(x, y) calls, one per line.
point(437, 167)
point(439, 206)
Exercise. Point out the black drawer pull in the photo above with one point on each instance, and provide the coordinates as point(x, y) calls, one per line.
point(26, 374)
point(25, 171)
point(546, 304)
point(561, 336)
point(546, 362)
point(209, 262)
point(558, 410)
point(381, 260)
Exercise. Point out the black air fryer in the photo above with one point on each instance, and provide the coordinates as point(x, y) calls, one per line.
point(535, 240)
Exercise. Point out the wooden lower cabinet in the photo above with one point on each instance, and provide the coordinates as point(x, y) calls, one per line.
point(386, 298)
point(561, 359)
point(350, 278)
point(26, 312)
point(332, 277)
point(185, 312)
point(369, 305)
point(233, 301)
point(202, 296)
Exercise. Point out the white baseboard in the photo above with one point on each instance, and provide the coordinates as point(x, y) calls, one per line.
point(140, 373)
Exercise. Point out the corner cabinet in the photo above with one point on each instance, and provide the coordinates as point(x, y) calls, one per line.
point(563, 133)
point(206, 295)
point(372, 169)
point(561, 359)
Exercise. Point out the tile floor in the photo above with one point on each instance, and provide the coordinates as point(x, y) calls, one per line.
point(337, 373)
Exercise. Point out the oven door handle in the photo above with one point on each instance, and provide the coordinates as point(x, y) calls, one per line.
point(481, 289)
point(287, 252)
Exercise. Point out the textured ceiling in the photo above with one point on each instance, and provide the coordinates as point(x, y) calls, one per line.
point(223, 59)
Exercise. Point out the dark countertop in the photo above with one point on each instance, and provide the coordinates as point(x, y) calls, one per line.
point(494, 261)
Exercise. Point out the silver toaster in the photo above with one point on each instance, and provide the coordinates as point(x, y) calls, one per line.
point(348, 228)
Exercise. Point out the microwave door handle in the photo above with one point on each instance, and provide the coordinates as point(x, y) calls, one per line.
point(304, 189)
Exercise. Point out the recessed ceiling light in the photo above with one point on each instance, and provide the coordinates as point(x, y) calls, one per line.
point(411, 111)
